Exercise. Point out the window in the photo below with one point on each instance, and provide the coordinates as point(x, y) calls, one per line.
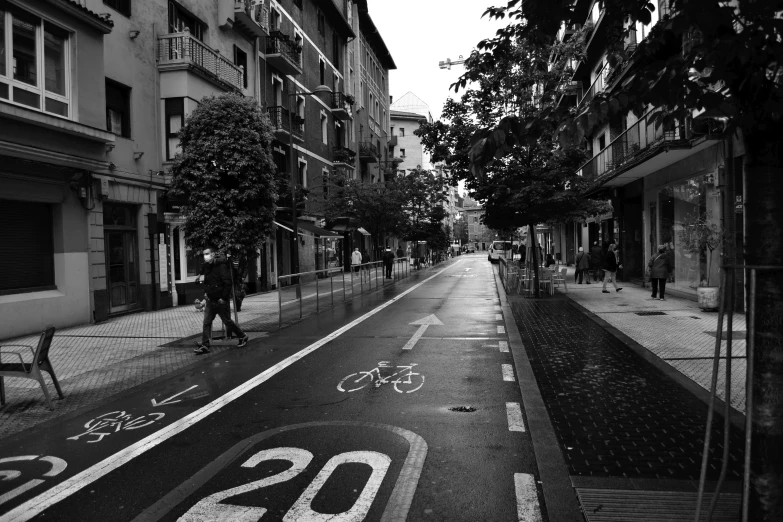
point(324, 129)
point(274, 19)
point(402, 131)
point(175, 117)
point(240, 60)
point(325, 182)
point(336, 50)
point(121, 6)
point(321, 23)
point(302, 173)
point(300, 106)
point(402, 152)
point(180, 19)
point(322, 71)
point(36, 71)
point(26, 247)
point(392, 130)
point(117, 108)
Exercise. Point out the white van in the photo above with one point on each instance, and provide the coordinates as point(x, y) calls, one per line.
point(498, 249)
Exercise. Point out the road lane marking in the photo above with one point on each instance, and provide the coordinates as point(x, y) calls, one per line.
point(503, 346)
point(424, 324)
point(169, 401)
point(508, 373)
point(514, 414)
point(63, 490)
point(498, 317)
point(528, 509)
point(501, 329)
point(498, 308)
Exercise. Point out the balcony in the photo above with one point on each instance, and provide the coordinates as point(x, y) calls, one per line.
point(279, 118)
point(392, 142)
point(598, 85)
point(181, 50)
point(252, 16)
point(283, 54)
point(343, 157)
point(637, 151)
point(368, 152)
point(341, 108)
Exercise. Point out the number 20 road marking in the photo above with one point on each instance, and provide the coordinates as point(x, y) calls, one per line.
point(209, 509)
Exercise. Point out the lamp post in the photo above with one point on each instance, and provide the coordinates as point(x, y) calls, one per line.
point(294, 172)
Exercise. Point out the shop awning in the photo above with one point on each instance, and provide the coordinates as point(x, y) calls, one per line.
point(317, 231)
point(362, 231)
point(289, 227)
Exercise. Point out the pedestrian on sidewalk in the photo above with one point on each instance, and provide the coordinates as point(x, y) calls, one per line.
point(356, 259)
point(610, 269)
point(660, 268)
point(582, 266)
point(388, 262)
point(400, 253)
point(217, 279)
point(597, 261)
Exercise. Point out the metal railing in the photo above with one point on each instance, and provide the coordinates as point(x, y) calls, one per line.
point(279, 117)
point(308, 293)
point(367, 149)
point(182, 48)
point(280, 43)
point(641, 138)
point(339, 101)
point(343, 155)
point(598, 85)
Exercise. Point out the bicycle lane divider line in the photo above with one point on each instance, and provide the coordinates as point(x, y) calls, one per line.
point(63, 490)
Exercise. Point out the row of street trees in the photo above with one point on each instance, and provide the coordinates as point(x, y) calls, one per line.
point(518, 150)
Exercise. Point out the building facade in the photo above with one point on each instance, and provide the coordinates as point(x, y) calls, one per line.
point(406, 114)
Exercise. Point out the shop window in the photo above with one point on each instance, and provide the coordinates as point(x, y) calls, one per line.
point(175, 118)
point(240, 60)
point(180, 19)
point(121, 6)
point(194, 260)
point(118, 108)
point(37, 47)
point(26, 247)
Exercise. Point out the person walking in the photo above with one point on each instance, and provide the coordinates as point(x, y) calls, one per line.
point(660, 268)
point(400, 252)
point(356, 259)
point(596, 261)
point(217, 279)
point(388, 262)
point(582, 266)
point(610, 269)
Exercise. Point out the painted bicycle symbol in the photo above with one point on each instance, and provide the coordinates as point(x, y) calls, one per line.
point(115, 421)
point(405, 380)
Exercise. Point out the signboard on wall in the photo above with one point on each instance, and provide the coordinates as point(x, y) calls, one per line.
point(163, 263)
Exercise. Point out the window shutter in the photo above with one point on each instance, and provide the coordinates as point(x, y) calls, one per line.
point(26, 246)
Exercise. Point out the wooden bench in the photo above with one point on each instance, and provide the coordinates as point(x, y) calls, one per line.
point(33, 369)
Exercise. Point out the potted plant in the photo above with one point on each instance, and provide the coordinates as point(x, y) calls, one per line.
point(698, 237)
point(349, 99)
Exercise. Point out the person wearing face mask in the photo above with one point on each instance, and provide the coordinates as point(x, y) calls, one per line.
point(217, 279)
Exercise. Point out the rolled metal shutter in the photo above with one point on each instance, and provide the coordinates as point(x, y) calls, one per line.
point(26, 246)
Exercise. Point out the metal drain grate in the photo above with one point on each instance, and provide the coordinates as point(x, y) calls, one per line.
point(650, 313)
point(463, 409)
point(604, 505)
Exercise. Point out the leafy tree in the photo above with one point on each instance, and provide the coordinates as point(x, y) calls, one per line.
point(423, 198)
point(727, 59)
point(461, 231)
point(227, 178)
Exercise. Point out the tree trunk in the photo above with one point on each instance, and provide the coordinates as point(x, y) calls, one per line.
point(532, 232)
point(764, 247)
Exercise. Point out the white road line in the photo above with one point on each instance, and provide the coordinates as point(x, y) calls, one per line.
point(68, 487)
point(528, 509)
point(503, 346)
point(416, 336)
point(498, 317)
point(501, 329)
point(508, 373)
point(514, 414)
point(497, 307)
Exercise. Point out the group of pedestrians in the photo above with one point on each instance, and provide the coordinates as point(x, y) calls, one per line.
point(388, 257)
point(603, 266)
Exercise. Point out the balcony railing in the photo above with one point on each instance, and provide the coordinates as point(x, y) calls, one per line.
point(343, 156)
point(640, 140)
point(279, 117)
point(183, 49)
point(598, 85)
point(283, 54)
point(340, 106)
point(253, 16)
point(368, 151)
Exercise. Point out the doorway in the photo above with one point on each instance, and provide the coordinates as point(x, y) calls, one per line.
point(121, 251)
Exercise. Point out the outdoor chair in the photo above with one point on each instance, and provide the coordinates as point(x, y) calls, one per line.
point(31, 370)
point(545, 280)
point(560, 277)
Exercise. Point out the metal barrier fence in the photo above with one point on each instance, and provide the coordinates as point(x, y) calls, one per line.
point(307, 293)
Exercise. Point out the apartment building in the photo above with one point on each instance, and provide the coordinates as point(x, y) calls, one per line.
point(406, 113)
point(659, 179)
point(479, 235)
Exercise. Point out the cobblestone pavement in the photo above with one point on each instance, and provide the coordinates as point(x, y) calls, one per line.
point(682, 334)
point(95, 361)
point(615, 415)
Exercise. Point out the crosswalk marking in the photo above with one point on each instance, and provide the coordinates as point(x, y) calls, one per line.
point(528, 509)
point(498, 317)
point(514, 414)
point(508, 373)
point(503, 346)
point(501, 329)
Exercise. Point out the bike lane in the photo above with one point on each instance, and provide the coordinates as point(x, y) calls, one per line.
point(296, 445)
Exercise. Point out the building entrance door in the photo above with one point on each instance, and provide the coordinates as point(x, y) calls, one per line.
point(121, 247)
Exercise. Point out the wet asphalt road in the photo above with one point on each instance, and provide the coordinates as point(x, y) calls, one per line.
point(357, 428)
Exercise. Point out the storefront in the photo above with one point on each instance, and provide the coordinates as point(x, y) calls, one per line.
point(676, 198)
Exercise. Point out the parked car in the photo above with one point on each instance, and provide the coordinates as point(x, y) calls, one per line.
point(469, 249)
point(498, 249)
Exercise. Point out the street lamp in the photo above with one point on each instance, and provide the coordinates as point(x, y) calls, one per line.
point(294, 171)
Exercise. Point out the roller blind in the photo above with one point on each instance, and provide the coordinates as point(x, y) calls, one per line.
point(26, 246)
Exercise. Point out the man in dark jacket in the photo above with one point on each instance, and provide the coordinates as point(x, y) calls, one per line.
point(597, 261)
point(388, 261)
point(660, 268)
point(217, 279)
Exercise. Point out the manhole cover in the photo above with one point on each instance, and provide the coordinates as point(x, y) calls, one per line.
point(650, 313)
point(463, 409)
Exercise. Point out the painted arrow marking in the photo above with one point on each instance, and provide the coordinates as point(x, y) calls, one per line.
point(423, 323)
point(468, 269)
point(169, 401)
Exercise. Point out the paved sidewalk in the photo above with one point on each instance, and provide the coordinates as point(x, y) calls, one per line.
point(93, 362)
point(677, 331)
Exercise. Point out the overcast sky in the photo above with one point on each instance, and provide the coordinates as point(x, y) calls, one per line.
point(421, 33)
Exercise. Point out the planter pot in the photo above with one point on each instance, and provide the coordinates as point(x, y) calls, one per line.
point(709, 297)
